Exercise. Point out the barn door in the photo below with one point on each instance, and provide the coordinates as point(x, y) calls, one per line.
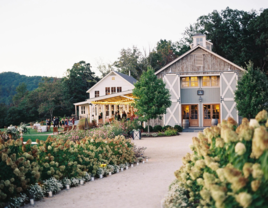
point(228, 87)
point(173, 115)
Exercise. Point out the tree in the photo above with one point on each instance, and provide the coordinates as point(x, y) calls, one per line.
point(78, 80)
point(132, 60)
point(251, 95)
point(51, 96)
point(105, 69)
point(165, 52)
point(152, 97)
point(21, 92)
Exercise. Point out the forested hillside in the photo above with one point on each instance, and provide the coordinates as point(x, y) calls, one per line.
point(10, 80)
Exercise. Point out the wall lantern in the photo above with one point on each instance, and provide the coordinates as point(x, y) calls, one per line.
point(200, 99)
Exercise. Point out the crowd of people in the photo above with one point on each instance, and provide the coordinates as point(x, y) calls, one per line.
point(56, 122)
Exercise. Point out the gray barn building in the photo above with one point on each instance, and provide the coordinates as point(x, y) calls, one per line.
point(201, 84)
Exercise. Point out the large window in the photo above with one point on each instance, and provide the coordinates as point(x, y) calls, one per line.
point(113, 89)
point(107, 90)
point(212, 81)
point(97, 93)
point(83, 109)
point(119, 89)
point(189, 82)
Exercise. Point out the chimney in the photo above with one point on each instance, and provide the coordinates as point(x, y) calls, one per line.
point(129, 73)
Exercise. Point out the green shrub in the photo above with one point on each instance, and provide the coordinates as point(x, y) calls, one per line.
point(52, 160)
point(178, 128)
point(161, 134)
point(171, 132)
point(157, 128)
point(228, 165)
point(19, 168)
point(166, 127)
point(150, 127)
point(140, 127)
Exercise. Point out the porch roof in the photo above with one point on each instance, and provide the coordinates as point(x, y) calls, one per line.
point(125, 97)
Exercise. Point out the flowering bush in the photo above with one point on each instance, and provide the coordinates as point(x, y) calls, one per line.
point(66, 181)
point(53, 185)
point(11, 133)
point(35, 192)
point(17, 202)
point(116, 128)
point(57, 159)
point(74, 182)
point(228, 165)
point(19, 168)
point(177, 196)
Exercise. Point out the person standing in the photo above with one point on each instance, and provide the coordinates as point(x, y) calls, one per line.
point(54, 121)
point(73, 120)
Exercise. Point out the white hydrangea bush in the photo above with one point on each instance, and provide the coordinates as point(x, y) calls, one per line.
point(35, 192)
point(228, 166)
point(176, 196)
point(53, 185)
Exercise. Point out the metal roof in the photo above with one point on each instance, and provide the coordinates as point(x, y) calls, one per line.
point(130, 79)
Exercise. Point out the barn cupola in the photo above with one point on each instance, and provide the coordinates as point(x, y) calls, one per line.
point(200, 39)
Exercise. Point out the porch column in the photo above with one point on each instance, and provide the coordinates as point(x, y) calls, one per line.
point(75, 111)
point(110, 111)
point(103, 114)
point(90, 113)
point(97, 117)
point(127, 107)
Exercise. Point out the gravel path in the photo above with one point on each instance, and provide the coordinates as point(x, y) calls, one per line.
point(142, 186)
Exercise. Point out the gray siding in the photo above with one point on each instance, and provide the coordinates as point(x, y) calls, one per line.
point(211, 95)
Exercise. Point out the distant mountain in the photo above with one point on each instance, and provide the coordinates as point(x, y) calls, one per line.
point(10, 80)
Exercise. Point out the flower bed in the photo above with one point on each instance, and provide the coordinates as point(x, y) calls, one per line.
point(53, 161)
point(227, 168)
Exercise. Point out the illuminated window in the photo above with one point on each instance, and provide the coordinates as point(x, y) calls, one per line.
point(97, 93)
point(206, 82)
point(214, 81)
point(119, 89)
point(189, 82)
point(113, 89)
point(113, 78)
point(194, 82)
point(107, 90)
point(185, 82)
point(210, 81)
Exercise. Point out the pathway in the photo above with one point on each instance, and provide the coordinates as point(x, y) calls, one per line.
point(142, 186)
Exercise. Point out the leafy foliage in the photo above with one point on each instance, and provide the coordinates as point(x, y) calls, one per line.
point(11, 80)
point(228, 165)
point(171, 132)
point(152, 97)
point(251, 95)
point(54, 160)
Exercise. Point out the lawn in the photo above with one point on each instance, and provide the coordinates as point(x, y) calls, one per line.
point(34, 137)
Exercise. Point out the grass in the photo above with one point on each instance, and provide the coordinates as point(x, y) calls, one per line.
point(34, 137)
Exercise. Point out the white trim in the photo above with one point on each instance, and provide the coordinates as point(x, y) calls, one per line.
point(171, 85)
point(90, 89)
point(199, 75)
point(172, 113)
point(198, 46)
point(104, 97)
point(222, 94)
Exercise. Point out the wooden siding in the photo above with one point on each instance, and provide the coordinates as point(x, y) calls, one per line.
point(211, 65)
